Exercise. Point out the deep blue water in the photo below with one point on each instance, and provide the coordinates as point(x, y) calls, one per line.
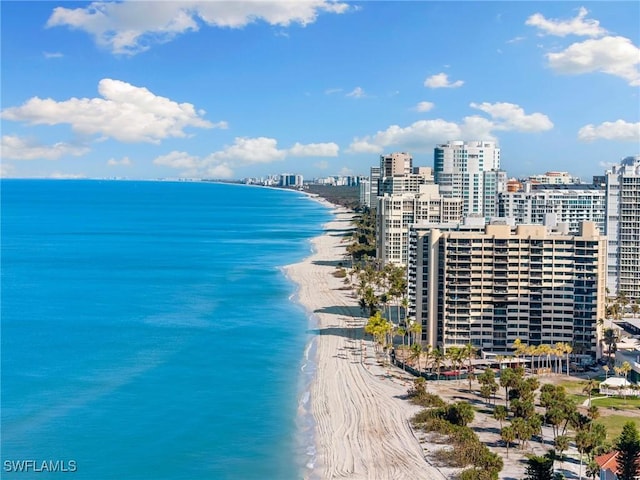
point(147, 331)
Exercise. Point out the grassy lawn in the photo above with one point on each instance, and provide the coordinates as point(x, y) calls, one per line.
point(617, 402)
point(614, 424)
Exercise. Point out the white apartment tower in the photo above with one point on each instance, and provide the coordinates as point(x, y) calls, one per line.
point(569, 203)
point(492, 286)
point(622, 185)
point(471, 171)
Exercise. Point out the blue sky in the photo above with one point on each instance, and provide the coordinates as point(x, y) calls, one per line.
point(236, 89)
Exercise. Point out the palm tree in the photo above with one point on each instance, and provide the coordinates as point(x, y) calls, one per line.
point(588, 388)
point(610, 339)
point(416, 354)
point(567, 350)
point(469, 353)
point(606, 371)
point(438, 357)
point(508, 435)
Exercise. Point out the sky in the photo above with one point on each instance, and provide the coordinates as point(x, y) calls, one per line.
point(236, 89)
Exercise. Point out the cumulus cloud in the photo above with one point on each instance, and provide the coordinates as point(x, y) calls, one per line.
point(424, 106)
point(618, 130)
point(314, 150)
point(357, 92)
point(125, 112)
point(441, 80)
point(132, 27)
point(578, 25)
point(244, 151)
point(14, 147)
point(419, 136)
point(422, 135)
point(124, 161)
point(613, 55)
point(512, 117)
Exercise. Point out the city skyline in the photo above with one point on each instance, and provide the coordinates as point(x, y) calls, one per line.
point(231, 90)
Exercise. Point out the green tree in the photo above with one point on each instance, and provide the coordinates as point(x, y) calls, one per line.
point(540, 467)
point(590, 386)
point(561, 444)
point(628, 447)
point(500, 413)
point(460, 413)
point(508, 435)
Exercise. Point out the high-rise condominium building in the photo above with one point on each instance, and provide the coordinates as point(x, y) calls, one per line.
point(374, 180)
point(569, 203)
point(396, 212)
point(471, 171)
point(622, 185)
point(399, 163)
point(492, 286)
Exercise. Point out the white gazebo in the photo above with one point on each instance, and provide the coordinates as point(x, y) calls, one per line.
point(617, 386)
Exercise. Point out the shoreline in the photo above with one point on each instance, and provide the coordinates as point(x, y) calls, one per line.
point(360, 420)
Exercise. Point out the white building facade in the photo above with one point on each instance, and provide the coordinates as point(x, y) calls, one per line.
point(622, 185)
point(570, 204)
point(461, 169)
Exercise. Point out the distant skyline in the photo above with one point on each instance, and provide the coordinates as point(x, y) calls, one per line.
point(246, 89)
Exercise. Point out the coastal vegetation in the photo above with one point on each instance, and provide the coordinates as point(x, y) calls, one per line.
point(449, 422)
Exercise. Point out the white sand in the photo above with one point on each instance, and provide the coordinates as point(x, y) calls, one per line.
point(361, 422)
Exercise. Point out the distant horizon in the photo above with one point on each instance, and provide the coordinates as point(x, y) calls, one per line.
point(235, 90)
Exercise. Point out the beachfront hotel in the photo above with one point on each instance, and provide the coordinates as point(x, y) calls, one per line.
point(488, 285)
point(622, 183)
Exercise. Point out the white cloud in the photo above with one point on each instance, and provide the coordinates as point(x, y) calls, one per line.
point(357, 92)
point(132, 27)
point(441, 80)
point(126, 113)
point(618, 130)
point(423, 135)
point(424, 106)
point(331, 91)
point(243, 152)
point(613, 55)
point(53, 55)
point(515, 40)
point(248, 151)
point(124, 161)
point(512, 117)
point(314, 150)
point(14, 147)
point(179, 160)
point(419, 136)
point(578, 25)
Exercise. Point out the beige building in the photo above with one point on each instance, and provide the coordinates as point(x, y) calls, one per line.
point(395, 213)
point(488, 286)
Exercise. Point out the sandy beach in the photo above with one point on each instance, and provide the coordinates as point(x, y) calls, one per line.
point(361, 422)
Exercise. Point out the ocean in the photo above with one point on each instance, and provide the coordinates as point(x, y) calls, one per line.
point(149, 332)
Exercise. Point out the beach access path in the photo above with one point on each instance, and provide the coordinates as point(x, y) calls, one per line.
point(362, 426)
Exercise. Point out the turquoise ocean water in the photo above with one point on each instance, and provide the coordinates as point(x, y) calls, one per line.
point(148, 331)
